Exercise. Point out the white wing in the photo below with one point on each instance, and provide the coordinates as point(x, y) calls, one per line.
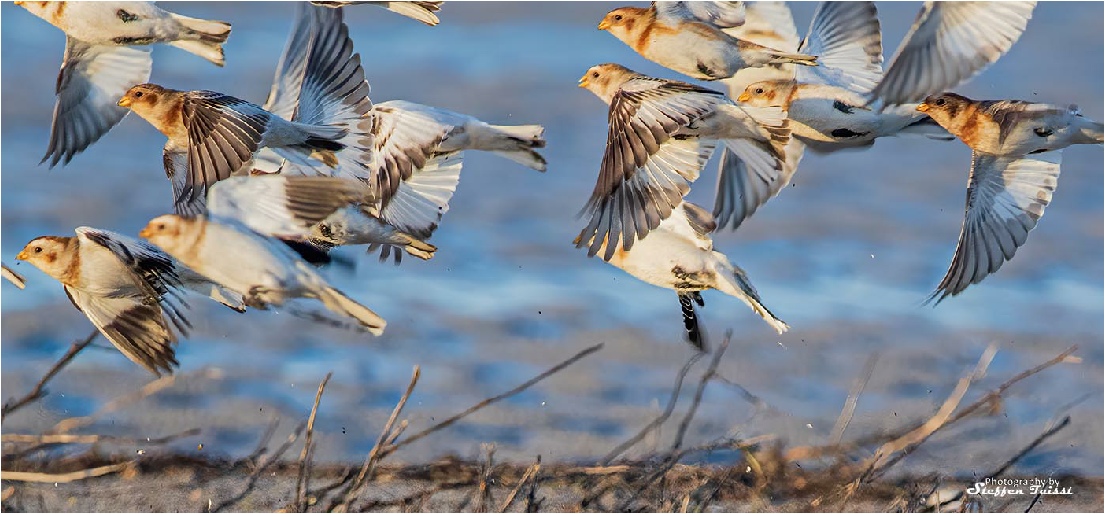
point(91, 82)
point(948, 44)
point(1005, 198)
point(847, 40)
point(282, 206)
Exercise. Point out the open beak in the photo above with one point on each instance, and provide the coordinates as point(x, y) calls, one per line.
point(124, 101)
point(583, 82)
point(603, 25)
point(22, 255)
point(923, 107)
point(744, 97)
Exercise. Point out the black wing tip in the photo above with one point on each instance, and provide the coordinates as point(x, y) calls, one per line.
point(696, 336)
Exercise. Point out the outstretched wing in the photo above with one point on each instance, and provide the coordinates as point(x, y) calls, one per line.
point(283, 206)
point(646, 169)
point(223, 134)
point(847, 39)
point(948, 43)
point(1005, 198)
point(91, 81)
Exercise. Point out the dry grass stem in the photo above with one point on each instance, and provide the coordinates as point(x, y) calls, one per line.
point(61, 478)
point(92, 439)
point(39, 390)
point(305, 455)
point(852, 401)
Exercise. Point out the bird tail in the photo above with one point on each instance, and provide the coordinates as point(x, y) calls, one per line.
point(516, 142)
point(321, 142)
point(780, 57)
point(732, 281)
point(337, 301)
point(1091, 133)
point(421, 11)
point(204, 38)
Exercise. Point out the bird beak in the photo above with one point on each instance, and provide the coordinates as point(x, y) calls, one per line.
point(145, 233)
point(923, 107)
point(583, 82)
point(124, 101)
point(744, 97)
point(603, 25)
point(22, 255)
point(20, 2)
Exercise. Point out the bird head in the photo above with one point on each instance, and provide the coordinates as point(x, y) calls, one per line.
point(165, 231)
point(142, 95)
point(767, 93)
point(944, 108)
point(49, 254)
point(604, 79)
point(622, 21)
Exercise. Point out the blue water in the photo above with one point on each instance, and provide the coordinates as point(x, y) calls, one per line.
point(846, 256)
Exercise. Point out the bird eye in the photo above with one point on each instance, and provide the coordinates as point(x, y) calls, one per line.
point(617, 17)
point(160, 226)
point(38, 249)
point(940, 102)
point(138, 94)
point(759, 91)
point(594, 74)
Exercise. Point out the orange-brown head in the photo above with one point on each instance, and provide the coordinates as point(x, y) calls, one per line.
point(625, 23)
point(177, 235)
point(160, 106)
point(956, 113)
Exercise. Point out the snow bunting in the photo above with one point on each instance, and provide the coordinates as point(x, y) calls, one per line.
point(315, 112)
point(1017, 149)
point(661, 134)
point(128, 289)
point(679, 254)
point(689, 39)
point(1011, 127)
point(949, 43)
point(15, 278)
point(420, 11)
point(106, 52)
point(231, 245)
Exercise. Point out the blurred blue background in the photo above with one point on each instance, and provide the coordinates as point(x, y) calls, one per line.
point(846, 256)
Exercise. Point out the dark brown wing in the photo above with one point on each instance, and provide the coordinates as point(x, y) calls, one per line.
point(223, 134)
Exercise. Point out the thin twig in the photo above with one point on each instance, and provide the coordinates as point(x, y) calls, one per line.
point(1031, 446)
point(374, 456)
point(530, 473)
point(251, 481)
point(61, 478)
point(849, 408)
point(39, 390)
point(663, 417)
point(92, 439)
point(263, 442)
point(305, 455)
point(68, 424)
point(710, 371)
point(489, 401)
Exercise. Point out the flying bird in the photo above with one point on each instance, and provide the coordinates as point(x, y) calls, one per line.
point(130, 290)
point(235, 244)
point(1016, 152)
point(419, 11)
point(689, 37)
point(106, 52)
point(679, 255)
point(661, 133)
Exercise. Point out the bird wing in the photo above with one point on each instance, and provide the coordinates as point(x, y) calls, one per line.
point(1006, 196)
point(406, 139)
point(948, 43)
point(646, 169)
point(92, 80)
point(847, 39)
point(419, 10)
point(223, 134)
point(286, 85)
point(418, 203)
point(282, 206)
point(718, 14)
point(742, 190)
point(137, 329)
